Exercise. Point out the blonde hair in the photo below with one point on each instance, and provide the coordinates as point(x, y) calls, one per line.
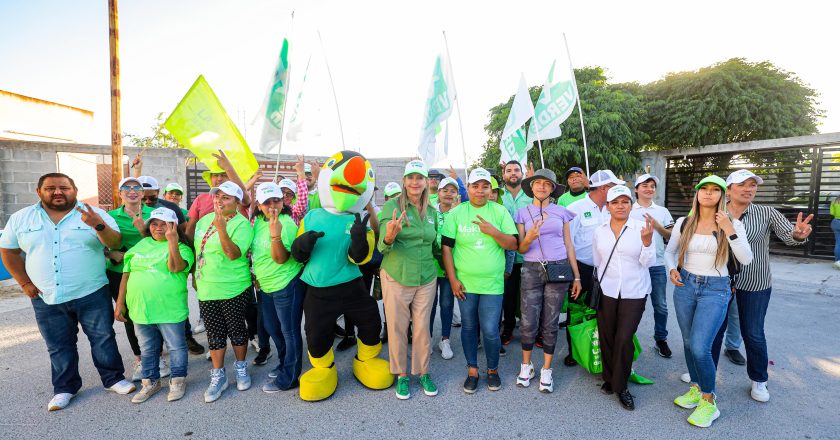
point(689, 227)
point(402, 198)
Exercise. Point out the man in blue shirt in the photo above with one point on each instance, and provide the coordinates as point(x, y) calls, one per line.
point(64, 276)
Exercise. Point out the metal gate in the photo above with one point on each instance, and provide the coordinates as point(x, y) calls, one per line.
point(803, 179)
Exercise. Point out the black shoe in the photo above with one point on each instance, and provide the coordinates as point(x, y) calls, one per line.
point(606, 388)
point(339, 331)
point(494, 382)
point(626, 400)
point(565, 323)
point(262, 356)
point(502, 352)
point(538, 341)
point(735, 357)
point(346, 343)
point(410, 332)
point(569, 361)
point(507, 336)
point(470, 384)
point(662, 349)
point(194, 347)
point(456, 324)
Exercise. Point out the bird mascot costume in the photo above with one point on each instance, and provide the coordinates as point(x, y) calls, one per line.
point(333, 241)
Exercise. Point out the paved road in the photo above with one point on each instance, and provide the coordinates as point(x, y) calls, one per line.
point(802, 329)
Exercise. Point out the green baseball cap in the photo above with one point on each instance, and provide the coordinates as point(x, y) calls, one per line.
point(392, 189)
point(416, 167)
point(712, 179)
point(173, 187)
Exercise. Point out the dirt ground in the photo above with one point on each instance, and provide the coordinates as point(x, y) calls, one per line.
point(10, 291)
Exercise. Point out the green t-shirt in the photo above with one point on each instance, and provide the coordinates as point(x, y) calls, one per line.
point(130, 234)
point(186, 214)
point(314, 201)
point(154, 295)
point(410, 258)
point(329, 264)
point(433, 200)
point(441, 219)
point(272, 276)
point(218, 277)
point(479, 260)
point(567, 198)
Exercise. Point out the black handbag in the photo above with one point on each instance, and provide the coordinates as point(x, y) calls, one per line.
point(594, 299)
point(555, 271)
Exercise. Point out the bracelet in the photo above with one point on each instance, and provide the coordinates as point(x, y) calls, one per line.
point(577, 279)
point(26, 283)
point(276, 240)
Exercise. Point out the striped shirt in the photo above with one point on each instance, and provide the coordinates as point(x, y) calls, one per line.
point(758, 221)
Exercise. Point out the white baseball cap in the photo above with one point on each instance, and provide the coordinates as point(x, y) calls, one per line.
point(128, 179)
point(742, 175)
point(448, 181)
point(478, 174)
point(164, 214)
point(416, 167)
point(174, 186)
point(288, 184)
point(148, 182)
point(392, 188)
point(603, 177)
point(644, 178)
point(618, 191)
point(267, 190)
point(307, 168)
point(228, 188)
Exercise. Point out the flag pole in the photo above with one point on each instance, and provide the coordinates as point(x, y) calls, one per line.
point(285, 103)
point(580, 110)
point(457, 107)
point(332, 85)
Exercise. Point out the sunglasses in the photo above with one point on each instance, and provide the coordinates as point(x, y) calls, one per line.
point(137, 188)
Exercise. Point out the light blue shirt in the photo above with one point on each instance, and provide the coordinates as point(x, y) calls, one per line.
point(65, 261)
point(587, 217)
point(513, 204)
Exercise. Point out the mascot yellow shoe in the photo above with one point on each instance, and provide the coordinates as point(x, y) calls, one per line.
point(371, 371)
point(321, 381)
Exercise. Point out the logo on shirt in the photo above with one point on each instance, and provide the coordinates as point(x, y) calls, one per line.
point(479, 244)
point(468, 229)
point(587, 214)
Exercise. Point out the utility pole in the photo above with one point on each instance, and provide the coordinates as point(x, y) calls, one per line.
point(116, 132)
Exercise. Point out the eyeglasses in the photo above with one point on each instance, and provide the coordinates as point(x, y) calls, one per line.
point(137, 188)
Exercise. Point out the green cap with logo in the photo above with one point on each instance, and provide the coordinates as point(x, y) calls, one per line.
point(416, 167)
point(712, 179)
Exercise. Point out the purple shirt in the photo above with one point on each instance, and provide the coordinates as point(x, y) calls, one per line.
point(551, 233)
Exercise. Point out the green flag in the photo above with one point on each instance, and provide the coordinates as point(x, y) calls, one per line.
point(200, 123)
point(275, 105)
point(439, 106)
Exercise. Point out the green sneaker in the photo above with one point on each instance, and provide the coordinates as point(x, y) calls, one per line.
point(690, 399)
point(706, 413)
point(403, 391)
point(429, 387)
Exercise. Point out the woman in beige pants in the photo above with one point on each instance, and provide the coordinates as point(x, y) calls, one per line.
point(408, 228)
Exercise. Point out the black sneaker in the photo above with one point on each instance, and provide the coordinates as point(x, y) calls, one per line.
point(507, 336)
point(194, 347)
point(606, 388)
point(494, 382)
point(626, 400)
point(569, 361)
point(339, 331)
point(470, 384)
point(346, 343)
point(502, 352)
point(735, 357)
point(662, 349)
point(410, 332)
point(262, 356)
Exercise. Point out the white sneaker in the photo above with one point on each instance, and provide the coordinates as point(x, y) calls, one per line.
point(199, 327)
point(546, 381)
point(255, 344)
point(122, 387)
point(445, 349)
point(759, 392)
point(526, 373)
point(836, 265)
point(60, 401)
point(163, 365)
point(686, 377)
point(137, 375)
point(207, 356)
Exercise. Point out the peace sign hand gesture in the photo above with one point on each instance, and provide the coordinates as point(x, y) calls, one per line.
point(647, 232)
point(393, 227)
point(485, 227)
point(275, 228)
point(534, 232)
point(89, 216)
point(219, 219)
point(802, 229)
point(171, 233)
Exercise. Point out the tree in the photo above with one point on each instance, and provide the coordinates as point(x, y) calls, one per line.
point(613, 114)
point(159, 139)
point(732, 101)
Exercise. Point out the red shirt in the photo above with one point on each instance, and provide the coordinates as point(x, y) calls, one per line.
point(203, 205)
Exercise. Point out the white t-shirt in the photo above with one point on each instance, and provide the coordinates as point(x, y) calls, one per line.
point(660, 214)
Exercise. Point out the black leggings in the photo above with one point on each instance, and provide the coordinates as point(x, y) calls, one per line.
point(114, 279)
point(323, 305)
point(225, 318)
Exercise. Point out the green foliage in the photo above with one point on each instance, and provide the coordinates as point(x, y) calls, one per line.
point(159, 139)
point(732, 101)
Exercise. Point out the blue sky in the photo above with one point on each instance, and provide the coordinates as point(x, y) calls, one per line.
point(382, 53)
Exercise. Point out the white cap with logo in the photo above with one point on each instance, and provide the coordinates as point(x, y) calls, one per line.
point(228, 188)
point(644, 178)
point(416, 167)
point(174, 186)
point(164, 214)
point(741, 176)
point(603, 177)
point(129, 179)
point(618, 191)
point(307, 168)
point(448, 181)
point(479, 174)
point(392, 188)
point(148, 182)
point(267, 190)
point(288, 184)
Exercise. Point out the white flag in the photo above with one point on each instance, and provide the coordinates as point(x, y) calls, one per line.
point(555, 104)
point(439, 106)
point(513, 143)
point(275, 103)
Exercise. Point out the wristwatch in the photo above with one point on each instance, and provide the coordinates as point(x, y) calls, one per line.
point(733, 236)
point(100, 227)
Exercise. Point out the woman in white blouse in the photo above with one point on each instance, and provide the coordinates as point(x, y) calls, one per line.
point(625, 285)
point(701, 245)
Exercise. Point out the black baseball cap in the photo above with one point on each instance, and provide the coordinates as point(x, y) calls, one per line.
point(572, 170)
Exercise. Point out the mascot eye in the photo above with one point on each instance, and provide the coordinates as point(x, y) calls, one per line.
point(370, 174)
point(330, 163)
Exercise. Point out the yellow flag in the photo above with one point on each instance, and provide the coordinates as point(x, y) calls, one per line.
point(200, 123)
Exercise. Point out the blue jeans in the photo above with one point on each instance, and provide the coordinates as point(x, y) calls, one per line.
point(59, 325)
point(150, 337)
point(701, 306)
point(835, 227)
point(659, 300)
point(282, 313)
point(753, 308)
point(484, 310)
point(447, 307)
point(733, 328)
